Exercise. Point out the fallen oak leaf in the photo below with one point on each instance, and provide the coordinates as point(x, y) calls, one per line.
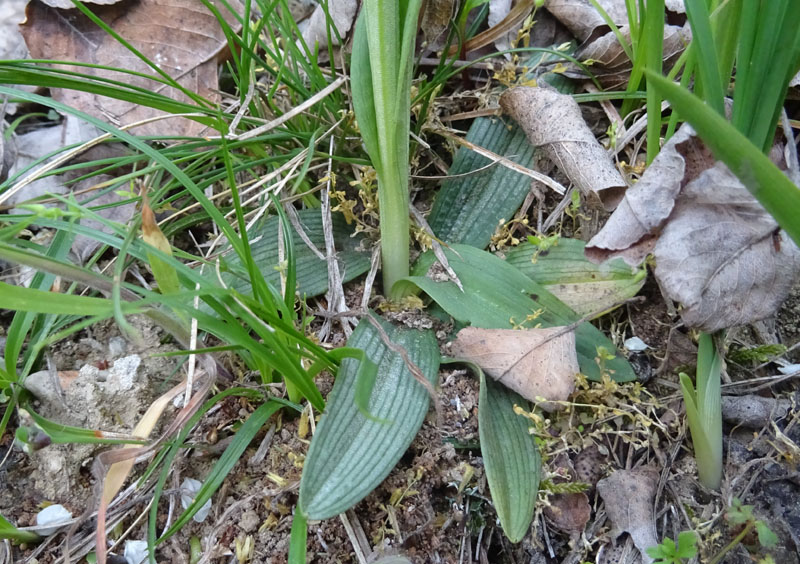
point(535, 363)
point(553, 121)
point(181, 37)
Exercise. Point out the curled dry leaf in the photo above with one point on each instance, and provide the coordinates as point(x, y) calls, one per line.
point(535, 363)
point(611, 66)
point(629, 496)
point(553, 121)
point(498, 10)
point(583, 20)
point(182, 37)
point(718, 252)
point(568, 512)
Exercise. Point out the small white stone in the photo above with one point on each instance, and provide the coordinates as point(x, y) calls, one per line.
point(189, 489)
point(635, 344)
point(123, 374)
point(135, 551)
point(52, 515)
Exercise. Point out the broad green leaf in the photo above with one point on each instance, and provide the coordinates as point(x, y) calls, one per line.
point(779, 196)
point(351, 453)
point(311, 271)
point(361, 84)
point(10, 532)
point(469, 208)
point(585, 287)
point(512, 461)
point(498, 296)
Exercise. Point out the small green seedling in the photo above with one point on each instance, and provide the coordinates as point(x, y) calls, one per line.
point(704, 411)
point(670, 552)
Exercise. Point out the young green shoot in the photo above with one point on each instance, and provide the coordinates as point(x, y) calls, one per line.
point(703, 409)
point(381, 83)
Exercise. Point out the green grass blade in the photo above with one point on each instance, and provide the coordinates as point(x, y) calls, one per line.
point(707, 61)
point(19, 298)
point(779, 196)
point(298, 538)
point(10, 532)
point(225, 463)
point(653, 53)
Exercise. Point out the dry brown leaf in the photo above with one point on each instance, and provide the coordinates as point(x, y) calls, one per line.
point(68, 4)
point(718, 252)
point(435, 21)
point(629, 496)
point(181, 36)
point(553, 121)
point(341, 12)
point(611, 66)
point(582, 19)
point(569, 512)
point(535, 363)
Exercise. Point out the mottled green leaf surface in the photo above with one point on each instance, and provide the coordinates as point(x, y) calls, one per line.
point(585, 287)
point(351, 453)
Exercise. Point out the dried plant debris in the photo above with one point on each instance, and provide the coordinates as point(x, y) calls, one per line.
point(535, 363)
point(718, 252)
point(435, 22)
point(583, 19)
point(182, 37)
point(553, 121)
point(610, 64)
point(629, 496)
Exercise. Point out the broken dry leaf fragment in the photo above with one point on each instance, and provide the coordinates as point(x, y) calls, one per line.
point(535, 363)
point(718, 252)
point(181, 37)
point(629, 496)
point(583, 19)
point(553, 121)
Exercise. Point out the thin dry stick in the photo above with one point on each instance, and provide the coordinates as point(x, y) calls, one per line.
point(297, 110)
point(335, 294)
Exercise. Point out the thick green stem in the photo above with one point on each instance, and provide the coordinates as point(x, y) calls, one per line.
point(393, 200)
